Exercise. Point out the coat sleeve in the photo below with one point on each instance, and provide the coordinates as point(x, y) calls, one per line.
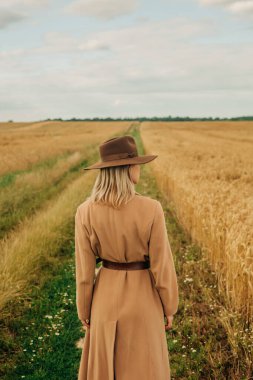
point(85, 264)
point(162, 263)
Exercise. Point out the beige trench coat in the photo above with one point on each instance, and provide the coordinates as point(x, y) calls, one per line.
point(127, 338)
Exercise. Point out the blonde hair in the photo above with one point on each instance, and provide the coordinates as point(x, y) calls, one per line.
point(113, 186)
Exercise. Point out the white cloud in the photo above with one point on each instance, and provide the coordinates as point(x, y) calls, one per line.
point(214, 2)
point(117, 102)
point(8, 17)
point(139, 69)
point(241, 6)
point(24, 3)
point(10, 54)
point(237, 7)
point(102, 9)
point(59, 42)
point(93, 44)
point(148, 37)
point(13, 11)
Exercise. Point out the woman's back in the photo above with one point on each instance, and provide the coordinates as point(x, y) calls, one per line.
point(119, 235)
point(126, 308)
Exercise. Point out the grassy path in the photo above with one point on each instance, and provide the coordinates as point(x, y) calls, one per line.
point(47, 331)
point(20, 200)
point(24, 191)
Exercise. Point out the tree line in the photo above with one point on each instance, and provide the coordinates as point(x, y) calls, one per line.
point(154, 118)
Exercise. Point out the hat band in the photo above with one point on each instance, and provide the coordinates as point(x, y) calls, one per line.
point(118, 156)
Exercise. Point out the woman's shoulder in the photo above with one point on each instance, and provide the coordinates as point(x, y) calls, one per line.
point(83, 205)
point(142, 200)
point(146, 200)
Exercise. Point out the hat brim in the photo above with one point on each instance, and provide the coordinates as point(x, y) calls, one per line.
point(126, 161)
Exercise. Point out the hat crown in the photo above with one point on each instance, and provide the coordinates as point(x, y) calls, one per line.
point(118, 151)
point(118, 148)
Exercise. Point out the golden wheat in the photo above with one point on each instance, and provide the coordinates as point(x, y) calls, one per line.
point(23, 145)
point(206, 170)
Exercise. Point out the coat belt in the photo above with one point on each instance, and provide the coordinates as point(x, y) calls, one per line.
point(134, 265)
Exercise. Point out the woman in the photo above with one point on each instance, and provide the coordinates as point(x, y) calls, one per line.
point(122, 309)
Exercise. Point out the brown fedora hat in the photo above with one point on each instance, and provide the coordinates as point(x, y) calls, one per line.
point(119, 151)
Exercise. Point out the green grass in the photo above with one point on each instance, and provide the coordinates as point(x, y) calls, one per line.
point(45, 333)
point(9, 178)
point(29, 199)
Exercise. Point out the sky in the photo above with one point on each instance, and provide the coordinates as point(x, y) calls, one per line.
point(125, 58)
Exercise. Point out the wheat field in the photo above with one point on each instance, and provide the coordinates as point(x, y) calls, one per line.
point(40, 232)
point(23, 145)
point(204, 177)
point(205, 169)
